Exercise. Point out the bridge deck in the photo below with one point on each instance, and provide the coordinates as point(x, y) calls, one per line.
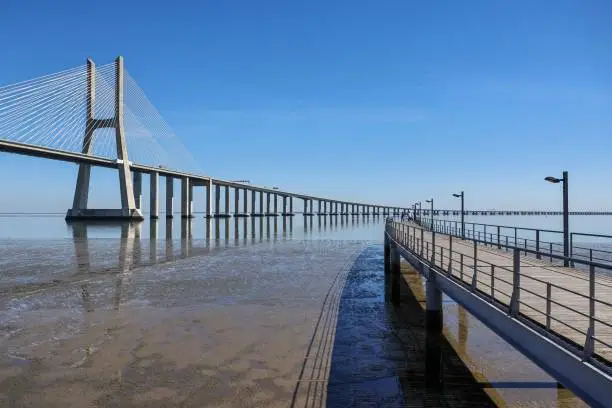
point(554, 296)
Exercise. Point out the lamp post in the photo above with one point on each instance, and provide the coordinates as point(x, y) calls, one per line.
point(431, 201)
point(462, 219)
point(565, 215)
point(419, 203)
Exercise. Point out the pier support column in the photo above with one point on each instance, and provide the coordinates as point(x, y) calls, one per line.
point(291, 205)
point(191, 199)
point(245, 205)
point(261, 203)
point(433, 325)
point(209, 203)
point(305, 211)
point(268, 204)
point(185, 197)
point(227, 202)
point(236, 201)
point(137, 181)
point(395, 275)
point(275, 204)
point(154, 194)
point(284, 205)
point(253, 199)
point(217, 200)
point(169, 196)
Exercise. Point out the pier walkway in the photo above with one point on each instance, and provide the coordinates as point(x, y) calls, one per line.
point(559, 316)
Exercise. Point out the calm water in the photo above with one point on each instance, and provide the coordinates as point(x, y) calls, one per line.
point(271, 311)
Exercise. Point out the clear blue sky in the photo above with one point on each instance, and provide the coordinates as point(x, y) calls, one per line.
point(388, 101)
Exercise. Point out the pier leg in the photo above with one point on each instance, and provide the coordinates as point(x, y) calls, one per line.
point(190, 209)
point(290, 207)
point(387, 267)
point(185, 197)
point(261, 203)
point(209, 203)
point(154, 194)
point(275, 200)
point(236, 202)
point(253, 211)
point(395, 275)
point(268, 204)
point(169, 196)
point(284, 205)
point(227, 201)
point(137, 181)
point(217, 201)
point(245, 205)
point(433, 325)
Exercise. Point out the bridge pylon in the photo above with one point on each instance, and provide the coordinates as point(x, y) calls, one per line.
point(128, 210)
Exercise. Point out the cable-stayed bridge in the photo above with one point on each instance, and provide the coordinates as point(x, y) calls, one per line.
point(98, 116)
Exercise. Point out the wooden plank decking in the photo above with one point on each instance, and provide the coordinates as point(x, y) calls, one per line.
point(569, 287)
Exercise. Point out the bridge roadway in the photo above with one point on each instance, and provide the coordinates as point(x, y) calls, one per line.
point(206, 181)
point(560, 317)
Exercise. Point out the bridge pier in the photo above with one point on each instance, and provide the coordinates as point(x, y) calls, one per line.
point(137, 182)
point(227, 212)
point(261, 204)
point(154, 195)
point(209, 203)
point(275, 206)
point(185, 201)
point(128, 210)
point(433, 326)
point(217, 201)
point(245, 205)
point(169, 196)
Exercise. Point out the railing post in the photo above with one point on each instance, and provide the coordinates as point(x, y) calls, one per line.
point(548, 311)
point(498, 237)
point(485, 234)
point(506, 243)
point(461, 267)
point(422, 242)
point(538, 255)
point(492, 283)
point(589, 343)
point(433, 247)
point(475, 273)
point(450, 254)
point(550, 246)
point(516, 283)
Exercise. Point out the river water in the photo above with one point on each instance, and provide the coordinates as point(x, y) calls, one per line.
point(236, 312)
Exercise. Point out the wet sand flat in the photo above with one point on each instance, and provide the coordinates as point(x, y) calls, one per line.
point(231, 329)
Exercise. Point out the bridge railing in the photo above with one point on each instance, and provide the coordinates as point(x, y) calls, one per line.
point(577, 317)
point(543, 243)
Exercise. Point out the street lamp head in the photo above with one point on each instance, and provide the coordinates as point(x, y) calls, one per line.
point(429, 201)
point(553, 179)
point(457, 195)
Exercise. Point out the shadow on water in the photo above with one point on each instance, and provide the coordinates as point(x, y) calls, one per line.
point(384, 356)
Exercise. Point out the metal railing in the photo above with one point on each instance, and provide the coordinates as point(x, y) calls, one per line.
point(573, 315)
point(533, 239)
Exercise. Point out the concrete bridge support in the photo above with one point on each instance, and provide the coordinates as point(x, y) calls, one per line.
point(261, 203)
point(154, 195)
point(284, 205)
point(227, 212)
point(275, 201)
point(137, 182)
point(217, 200)
point(209, 202)
point(169, 196)
point(185, 202)
point(268, 204)
point(433, 325)
point(253, 200)
point(236, 202)
point(245, 206)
